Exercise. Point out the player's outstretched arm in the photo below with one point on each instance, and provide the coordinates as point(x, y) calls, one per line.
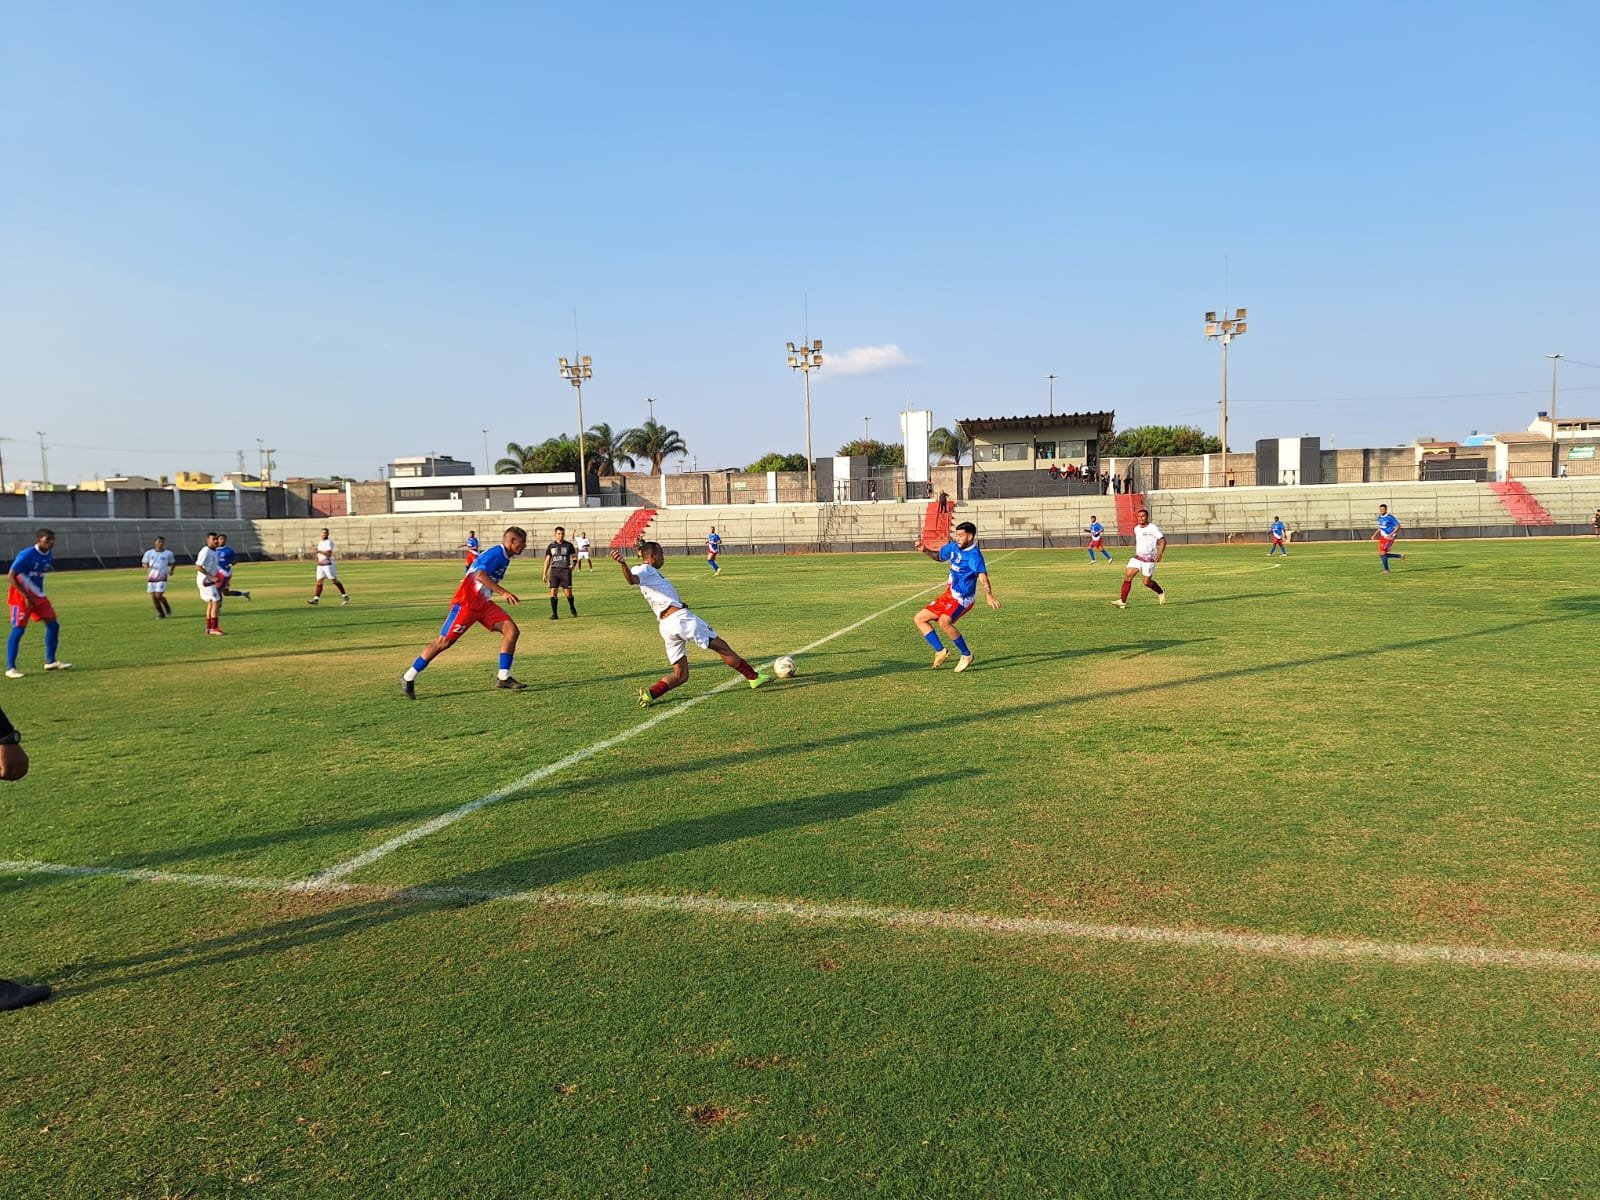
point(616, 557)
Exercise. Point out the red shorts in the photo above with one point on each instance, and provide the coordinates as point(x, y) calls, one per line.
point(948, 606)
point(463, 617)
point(1384, 544)
point(21, 614)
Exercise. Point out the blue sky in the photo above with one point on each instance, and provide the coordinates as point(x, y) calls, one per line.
point(361, 230)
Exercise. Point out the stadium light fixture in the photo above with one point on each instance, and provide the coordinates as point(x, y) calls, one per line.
point(806, 360)
point(1555, 364)
point(576, 374)
point(1225, 331)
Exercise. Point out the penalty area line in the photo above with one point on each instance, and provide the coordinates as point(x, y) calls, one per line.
point(447, 819)
point(1261, 945)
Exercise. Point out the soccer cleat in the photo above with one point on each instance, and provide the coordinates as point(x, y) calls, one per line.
point(553, 617)
point(966, 661)
point(645, 698)
point(511, 684)
point(1161, 597)
point(215, 633)
point(344, 602)
point(939, 657)
point(246, 595)
point(1119, 604)
point(20, 995)
point(58, 665)
point(13, 673)
point(761, 677)
point(313, 601)
point(408, 688)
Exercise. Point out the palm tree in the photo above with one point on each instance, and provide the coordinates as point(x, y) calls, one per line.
point(601, 448)
point(950, 445)
point(518, 460)
point(559, 453)
point(652, 440)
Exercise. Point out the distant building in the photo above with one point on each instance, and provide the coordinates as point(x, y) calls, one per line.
point(426, 466)
point(1039, 442)
point(123, 483)
point(1566, 428)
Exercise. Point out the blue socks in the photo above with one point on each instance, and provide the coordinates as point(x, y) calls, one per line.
point(52, 639)
point(12, 643)
point(505, 662)
point(932, 635)
point(961, 646)
point(418, 665)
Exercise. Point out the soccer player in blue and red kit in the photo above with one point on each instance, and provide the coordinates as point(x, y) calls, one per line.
point(28, 603)
point(1387, 531)
point(1278, 530)
point(473, 604)
point(1097, 537)
point(967, 573)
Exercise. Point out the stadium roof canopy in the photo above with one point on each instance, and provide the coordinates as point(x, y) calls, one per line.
point(1105, 422)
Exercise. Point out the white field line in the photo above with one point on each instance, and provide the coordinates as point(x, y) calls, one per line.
point(1267, 945)
point(445, 820)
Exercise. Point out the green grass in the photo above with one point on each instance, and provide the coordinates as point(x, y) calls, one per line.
point(1305, 749)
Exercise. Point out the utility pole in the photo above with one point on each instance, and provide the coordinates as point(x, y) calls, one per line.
point(44, 463)
point(1052, 380)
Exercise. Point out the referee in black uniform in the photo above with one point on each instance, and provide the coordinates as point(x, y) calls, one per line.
point(558, 559)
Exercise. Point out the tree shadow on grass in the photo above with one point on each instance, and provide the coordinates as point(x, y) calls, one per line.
point(358, 910)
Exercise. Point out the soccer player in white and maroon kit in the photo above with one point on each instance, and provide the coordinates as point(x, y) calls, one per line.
point(326, 571)
point(205, 578)
point(1149, 545)
point(677, 626)
point(158, 562)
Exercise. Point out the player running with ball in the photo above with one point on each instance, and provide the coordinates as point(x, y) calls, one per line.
point(677, 626)
point(967, 572)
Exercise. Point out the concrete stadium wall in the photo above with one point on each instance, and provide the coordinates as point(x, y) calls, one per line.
point(1210, 515)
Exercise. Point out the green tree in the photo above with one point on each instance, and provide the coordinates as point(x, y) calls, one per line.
point(653, 441)
point(601, 450)
point(777, 462)
point(951, 445)
point(1143, 441)
point(559, 453)
point(878, 454)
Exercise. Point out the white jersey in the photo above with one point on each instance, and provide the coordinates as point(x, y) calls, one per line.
point(324, 552)
point(1145, 538)
point(159, 563)
point(659, 594)
point(206, 561)
point(582, 544)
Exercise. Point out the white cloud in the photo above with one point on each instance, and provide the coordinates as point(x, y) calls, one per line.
point(868, 360)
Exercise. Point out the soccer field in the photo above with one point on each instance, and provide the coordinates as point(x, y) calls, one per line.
point(1288, 887)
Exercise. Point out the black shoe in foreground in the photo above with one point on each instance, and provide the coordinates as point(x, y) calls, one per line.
point(511, 684)
point(408, 688)
point(20, 995)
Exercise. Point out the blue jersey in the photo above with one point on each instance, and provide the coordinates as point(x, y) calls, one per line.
point(472, 543)
point(1096, 529)
point(1277, 529)
point(493, 562)
point(1388, 525)
point(714, 543)
point(225, 557)
point(30, 566)
point(965, 567)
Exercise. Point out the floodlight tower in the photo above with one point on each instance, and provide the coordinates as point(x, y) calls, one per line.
point(575, 374)
point(1555, 363)
point(806, 360)
point(1225, 331)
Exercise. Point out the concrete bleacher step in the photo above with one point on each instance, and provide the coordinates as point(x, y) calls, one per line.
point(1523, 506)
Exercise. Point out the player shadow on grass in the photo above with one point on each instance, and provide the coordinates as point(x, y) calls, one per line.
point(337, 918)
point(1185, 602)
point(1578, 604)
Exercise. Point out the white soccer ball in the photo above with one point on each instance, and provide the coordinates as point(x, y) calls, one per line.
point(784, 668)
